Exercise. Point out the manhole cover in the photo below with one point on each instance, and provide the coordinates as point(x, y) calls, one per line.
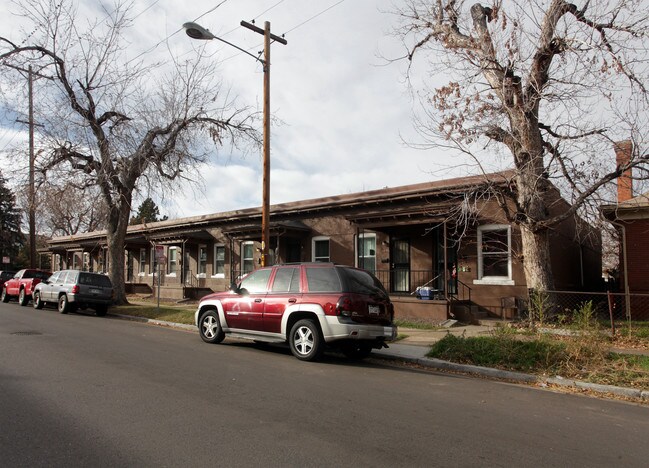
point(26, 333)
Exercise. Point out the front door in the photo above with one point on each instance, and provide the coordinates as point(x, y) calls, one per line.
point(400, 265)
point(293, 250)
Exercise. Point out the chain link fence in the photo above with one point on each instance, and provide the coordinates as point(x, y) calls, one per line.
point(611, 310)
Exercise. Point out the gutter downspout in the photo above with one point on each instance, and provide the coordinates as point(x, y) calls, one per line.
point(627, 302)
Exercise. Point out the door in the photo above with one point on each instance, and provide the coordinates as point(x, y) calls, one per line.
point(293, 251)
point(284, 292)
point(245, 310)
point(400, 265)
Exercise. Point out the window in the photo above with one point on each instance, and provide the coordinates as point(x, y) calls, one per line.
point(142, 263)
point(86, 261)
point(75, 261)
point(173, 260)
point(322, 279)
point(202, 260)
point(320, 249)
point(286, 280)
point(494, 254)
point(154, 263)
point(256, 281)
point(219, 261)
point(247, 257)
point(366, 252)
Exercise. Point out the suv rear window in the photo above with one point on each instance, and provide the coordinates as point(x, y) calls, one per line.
point(95, 280)
point(359, 281)
point(322, 279)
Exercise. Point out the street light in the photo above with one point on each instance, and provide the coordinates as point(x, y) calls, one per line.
point(196, 31)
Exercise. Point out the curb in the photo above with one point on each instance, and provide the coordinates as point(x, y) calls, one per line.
point(161, 323)
point(642, 395)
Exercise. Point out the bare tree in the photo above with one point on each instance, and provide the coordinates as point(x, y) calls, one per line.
point(549, 84)
point(114, 123)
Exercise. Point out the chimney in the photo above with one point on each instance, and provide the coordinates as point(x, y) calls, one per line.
point(623, 151)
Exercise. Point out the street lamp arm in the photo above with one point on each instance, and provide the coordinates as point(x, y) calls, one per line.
point(196, 31)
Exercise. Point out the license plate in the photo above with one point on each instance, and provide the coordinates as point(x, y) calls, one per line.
point(374, 309)
point(95, 291)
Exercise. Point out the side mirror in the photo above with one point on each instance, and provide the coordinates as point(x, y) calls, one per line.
point(235, 288)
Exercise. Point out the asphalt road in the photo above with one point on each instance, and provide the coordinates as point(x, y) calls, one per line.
point(78, 390)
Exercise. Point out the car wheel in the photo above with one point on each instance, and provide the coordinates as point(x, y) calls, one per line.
point(64, 305)
point(23, 298)
point(5, 296)
point(356, 350)
point(306, 341)
point(101, 310)
point(38, 304)
point(210, 327)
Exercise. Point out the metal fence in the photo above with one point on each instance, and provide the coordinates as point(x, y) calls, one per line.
point(605, 305)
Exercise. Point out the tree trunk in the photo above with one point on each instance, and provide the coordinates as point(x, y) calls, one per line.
point(536, 259)
point(116, 235)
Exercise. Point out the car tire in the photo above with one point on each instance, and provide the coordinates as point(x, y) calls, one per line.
point(64, 305)
point(101, 310)
point(306, 341)
point(23, 298)
point(209, 327)
point(38, 304)
point(356, 350)
point(5, 296)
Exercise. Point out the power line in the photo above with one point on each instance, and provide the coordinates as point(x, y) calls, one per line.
point(314, 16)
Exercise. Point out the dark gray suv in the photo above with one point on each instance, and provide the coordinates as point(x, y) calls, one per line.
point(74, 289)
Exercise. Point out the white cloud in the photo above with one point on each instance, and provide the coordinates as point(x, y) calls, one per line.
point(342, 107)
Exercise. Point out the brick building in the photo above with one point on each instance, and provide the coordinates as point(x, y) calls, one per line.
point(440, 236)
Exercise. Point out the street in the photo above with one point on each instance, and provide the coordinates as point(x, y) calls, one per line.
point(79, 390)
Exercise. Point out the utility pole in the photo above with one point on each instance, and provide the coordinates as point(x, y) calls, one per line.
point(32, 192)
point(265, 205)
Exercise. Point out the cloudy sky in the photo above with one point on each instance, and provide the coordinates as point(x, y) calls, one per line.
point(344, 111)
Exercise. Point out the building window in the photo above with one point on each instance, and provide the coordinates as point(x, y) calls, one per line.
point(86, 261)
point(154, 263)
point(75, 261)
point(202, 260)
point(219, 261)
point(173, 260)
point(247, 257)
point(366, 252)
point(494, 254)
point(142, 263)
point(320, 249)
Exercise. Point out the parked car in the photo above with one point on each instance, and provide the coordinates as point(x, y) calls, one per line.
point(307, 305)
point(22, 285)
point(73, 289)
point(5, 275)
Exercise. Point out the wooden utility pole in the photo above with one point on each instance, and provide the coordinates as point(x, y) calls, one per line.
point(265, 206)
point(32, 194)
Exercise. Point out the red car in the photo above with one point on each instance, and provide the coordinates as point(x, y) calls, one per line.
point(22, 285)
point(309, 306)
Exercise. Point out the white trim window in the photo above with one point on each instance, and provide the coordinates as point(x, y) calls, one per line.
point(172, 258)
point(202, 261)
point(320, 251)
point(366, 252)
point(247, 257)
point(218, 269)
point(142, 263)
point(494, 254)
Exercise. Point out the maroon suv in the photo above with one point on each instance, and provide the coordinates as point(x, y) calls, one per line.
point(308, 305)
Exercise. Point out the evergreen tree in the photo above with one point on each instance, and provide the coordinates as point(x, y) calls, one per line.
point(148, 212)
point(11, 239)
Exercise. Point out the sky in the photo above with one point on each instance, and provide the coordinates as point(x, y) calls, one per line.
point(342, 110)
